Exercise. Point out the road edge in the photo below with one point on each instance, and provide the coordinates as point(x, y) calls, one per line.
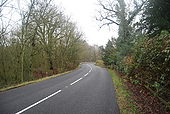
point(36, 81)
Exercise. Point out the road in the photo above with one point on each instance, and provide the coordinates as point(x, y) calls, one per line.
point(88, 90)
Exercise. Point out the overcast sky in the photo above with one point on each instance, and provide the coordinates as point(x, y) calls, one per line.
point(83, 12)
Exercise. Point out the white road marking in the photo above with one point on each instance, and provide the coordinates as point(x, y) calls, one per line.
point(86, 74)
point(76, 81)
point(83, 76)
point(88, 71)
point(90, 68)
point(27, 108)
point(38, 102)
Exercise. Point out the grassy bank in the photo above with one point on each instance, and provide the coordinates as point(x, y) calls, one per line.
point(33, 81)
point(123, 95)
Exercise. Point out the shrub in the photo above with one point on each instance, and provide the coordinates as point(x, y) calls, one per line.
point(152, 63)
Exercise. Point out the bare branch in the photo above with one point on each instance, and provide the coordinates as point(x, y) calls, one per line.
point(3, 3)
point(105, 8)
point(112, 21)
point(107, 15)
point(107, 18)
point(105, 24)
point(136, 12)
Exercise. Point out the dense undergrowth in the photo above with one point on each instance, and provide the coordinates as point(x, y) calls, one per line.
point(147, 65)
point(132, 96)
point(141, 52)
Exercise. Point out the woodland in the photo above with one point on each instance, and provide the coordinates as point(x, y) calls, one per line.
point(141, 52)
point(43, 42)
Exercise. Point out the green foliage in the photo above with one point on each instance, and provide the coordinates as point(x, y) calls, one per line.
point(143, 56)
point(156, 17)
point(152, 63)
point(108, 53)
point(100, 63)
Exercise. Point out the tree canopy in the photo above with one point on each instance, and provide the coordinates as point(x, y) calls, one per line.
point(156, 16)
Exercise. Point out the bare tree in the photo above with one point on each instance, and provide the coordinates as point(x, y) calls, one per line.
point(118, 12)
point(44, 43)
point(2, 4)
point(23, 36)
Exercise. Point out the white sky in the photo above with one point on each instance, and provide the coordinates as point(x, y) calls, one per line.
point(83, 12)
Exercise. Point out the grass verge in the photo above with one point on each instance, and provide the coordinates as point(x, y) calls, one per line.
point(33, 81)
point(123, 95)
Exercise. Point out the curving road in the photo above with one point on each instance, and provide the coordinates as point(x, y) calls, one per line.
point(88, 90)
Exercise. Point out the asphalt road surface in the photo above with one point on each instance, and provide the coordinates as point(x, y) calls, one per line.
point(88, 90)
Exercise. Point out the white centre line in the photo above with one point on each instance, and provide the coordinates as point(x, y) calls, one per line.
point(76, 81)
point(27, 108)
point(38, 102)
point(83, 76)
point(88, 71)
point(90, 68)
point(86, 74)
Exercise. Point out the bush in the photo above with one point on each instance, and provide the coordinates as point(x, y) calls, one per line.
point(100, 63)
point(152, 63)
